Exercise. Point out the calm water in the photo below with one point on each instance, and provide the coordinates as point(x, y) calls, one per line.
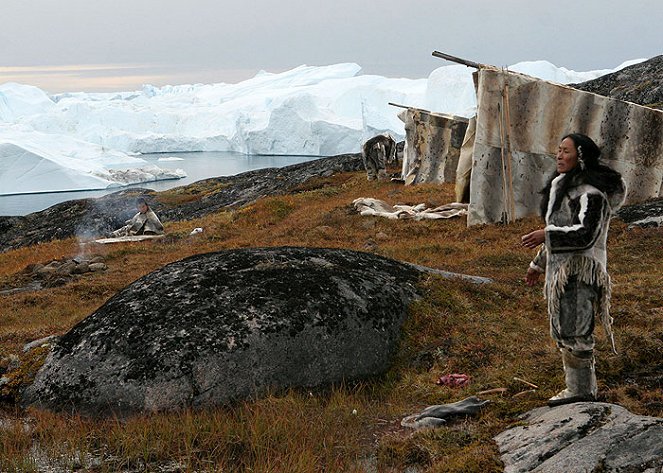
point(197, 166)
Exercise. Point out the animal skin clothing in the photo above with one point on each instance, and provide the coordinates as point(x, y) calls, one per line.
point(141, 224)
point(577, 285)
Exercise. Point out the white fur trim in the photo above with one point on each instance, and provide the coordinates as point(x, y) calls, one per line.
point(581, 216)
point(536, 267)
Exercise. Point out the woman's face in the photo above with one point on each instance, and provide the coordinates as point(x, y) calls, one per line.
point(142, 208)
point(567, 156)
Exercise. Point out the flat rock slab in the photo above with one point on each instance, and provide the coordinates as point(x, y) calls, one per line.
point(583, 437)
point(224, 326)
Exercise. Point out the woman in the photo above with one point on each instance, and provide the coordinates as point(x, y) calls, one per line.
point(576, 206)
point(145, 222)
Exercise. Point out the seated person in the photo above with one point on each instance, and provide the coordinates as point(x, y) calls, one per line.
point(145, 222)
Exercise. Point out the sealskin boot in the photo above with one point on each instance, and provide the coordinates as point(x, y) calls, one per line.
point(580, 379)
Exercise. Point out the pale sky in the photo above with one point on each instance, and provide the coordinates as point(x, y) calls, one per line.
point(76, 45)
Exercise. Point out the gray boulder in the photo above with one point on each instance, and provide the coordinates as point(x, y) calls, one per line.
point(583, 437)
point(224, 326)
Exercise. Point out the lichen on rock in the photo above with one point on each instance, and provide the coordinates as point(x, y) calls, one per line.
point(222, 326)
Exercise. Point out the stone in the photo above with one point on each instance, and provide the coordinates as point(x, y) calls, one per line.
point(46, 271)
point(219, 327)
point(81, 268)
point(39, 343)
point(35, 268)
point(645, 215)
point(582, 437)
point(97, 267)
point(66, 268)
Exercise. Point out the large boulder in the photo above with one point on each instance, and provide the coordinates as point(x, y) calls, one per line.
point(583, 437)
point(223, 326)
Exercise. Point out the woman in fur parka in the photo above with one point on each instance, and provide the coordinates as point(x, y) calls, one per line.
point(577, 204)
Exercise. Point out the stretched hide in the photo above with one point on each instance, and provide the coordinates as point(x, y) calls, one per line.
point(520, 121)
point(432, 146)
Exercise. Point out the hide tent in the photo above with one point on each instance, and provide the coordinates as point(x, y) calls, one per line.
point(509, 147)
point(519, 123)
point(432, 145)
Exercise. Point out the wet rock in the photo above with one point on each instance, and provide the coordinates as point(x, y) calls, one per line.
point(229, 325)
point(583, 437)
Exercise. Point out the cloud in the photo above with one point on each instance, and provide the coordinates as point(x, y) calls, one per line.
point(115, 77)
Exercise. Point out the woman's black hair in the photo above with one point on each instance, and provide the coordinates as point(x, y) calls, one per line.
point(588, 170)
point(141, 201)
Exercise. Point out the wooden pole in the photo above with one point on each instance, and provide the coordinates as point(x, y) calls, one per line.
point(439, 114)
point(509, 156)
point(459, 60)
point(505, 193)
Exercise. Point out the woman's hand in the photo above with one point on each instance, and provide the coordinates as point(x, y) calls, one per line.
point(532, 276)
point(533, 239)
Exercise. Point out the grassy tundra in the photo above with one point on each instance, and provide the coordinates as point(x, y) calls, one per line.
point(492, 332)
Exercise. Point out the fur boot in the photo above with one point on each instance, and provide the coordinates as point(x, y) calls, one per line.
point(580, 379)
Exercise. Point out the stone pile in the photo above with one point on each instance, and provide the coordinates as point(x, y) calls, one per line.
point(54, 273)
point(58, 272)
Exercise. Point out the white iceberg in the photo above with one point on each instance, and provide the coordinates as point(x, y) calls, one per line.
point(32, 162)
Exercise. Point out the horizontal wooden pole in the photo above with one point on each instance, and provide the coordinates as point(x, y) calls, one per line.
point(459, 60)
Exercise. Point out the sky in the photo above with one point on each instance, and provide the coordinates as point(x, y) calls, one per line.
point(84, 45)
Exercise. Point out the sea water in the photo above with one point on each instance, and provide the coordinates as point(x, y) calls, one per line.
point(198, 165)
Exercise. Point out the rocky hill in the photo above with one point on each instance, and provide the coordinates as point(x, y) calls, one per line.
point(641, 83)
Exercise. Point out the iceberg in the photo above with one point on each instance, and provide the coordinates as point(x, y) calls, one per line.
point(35, 162)
point(81, 140)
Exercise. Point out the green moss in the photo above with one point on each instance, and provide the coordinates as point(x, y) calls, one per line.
point(31, 362)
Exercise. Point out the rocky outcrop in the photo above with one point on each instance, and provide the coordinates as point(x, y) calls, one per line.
point(641, 83)
point(583, 437)
point(222, 326)
point(647, 214)
point(94, 217)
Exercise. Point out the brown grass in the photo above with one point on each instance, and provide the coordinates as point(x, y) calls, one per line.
point(492, 332)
